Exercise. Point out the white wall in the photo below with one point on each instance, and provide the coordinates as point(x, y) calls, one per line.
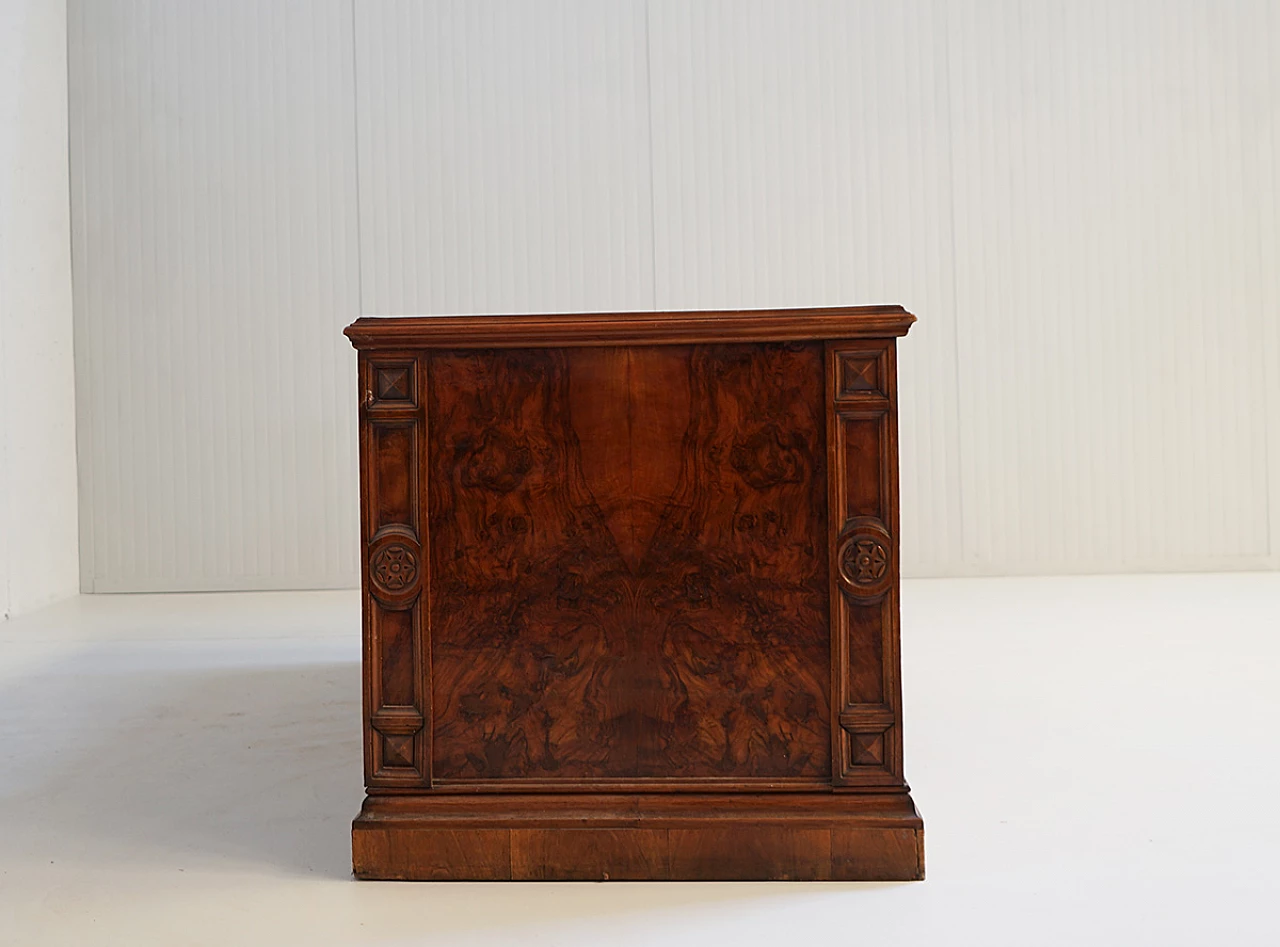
point(1079, 199)
point(38, 556)
point(214, 216)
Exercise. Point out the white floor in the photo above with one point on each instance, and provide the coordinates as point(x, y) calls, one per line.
point(1096, 759)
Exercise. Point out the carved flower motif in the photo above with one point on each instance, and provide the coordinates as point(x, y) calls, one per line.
point(394, 567)
point(865, 561)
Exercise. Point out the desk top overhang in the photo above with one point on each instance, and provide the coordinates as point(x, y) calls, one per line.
point(629, 328)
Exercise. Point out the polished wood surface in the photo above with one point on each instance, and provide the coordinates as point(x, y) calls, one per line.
point(631, 328)
point(628, 563)
point(636, 836)
point(664, 563)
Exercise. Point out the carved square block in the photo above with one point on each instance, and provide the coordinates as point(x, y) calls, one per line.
point(862, 371)
point(397, 750)
point(393, 382)
point(867, 749)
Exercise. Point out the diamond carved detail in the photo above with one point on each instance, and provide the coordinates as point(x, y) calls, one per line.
point(859, 374)
point(393, 384)
point(868, 749)
point(397, 750)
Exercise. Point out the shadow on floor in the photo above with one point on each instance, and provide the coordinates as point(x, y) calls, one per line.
point(177, 766)
point(242, 763)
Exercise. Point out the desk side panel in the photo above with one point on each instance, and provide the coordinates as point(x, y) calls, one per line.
point(629, 565)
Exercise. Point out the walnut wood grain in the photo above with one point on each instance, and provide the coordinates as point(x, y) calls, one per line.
point(392, 514)
point(673, 837)
point(631, 328)
point(863, 527)
point(641, 599)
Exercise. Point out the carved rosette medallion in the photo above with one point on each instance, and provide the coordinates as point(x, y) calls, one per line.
point(394, 570)
point(865, 555)
point(394, 567)
point(865, 561)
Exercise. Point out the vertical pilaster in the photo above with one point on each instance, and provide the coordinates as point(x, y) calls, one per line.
point(862, 434)
point(393, 443)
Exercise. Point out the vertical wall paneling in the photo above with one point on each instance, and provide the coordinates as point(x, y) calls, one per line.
point(1259, 70)
point(504, 156)
point(1080, 199)
point(215, 264)
point(1108, 288)
point(801, 158)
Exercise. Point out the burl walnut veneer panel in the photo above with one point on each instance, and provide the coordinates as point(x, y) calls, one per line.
point(628, 563)
point(631, 597)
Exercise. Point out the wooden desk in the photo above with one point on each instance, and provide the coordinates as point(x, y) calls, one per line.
point(631, 597)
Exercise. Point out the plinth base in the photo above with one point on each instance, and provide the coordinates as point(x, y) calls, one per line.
point(639, 837)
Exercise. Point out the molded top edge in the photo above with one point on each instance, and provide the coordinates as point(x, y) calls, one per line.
point(699, 326)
